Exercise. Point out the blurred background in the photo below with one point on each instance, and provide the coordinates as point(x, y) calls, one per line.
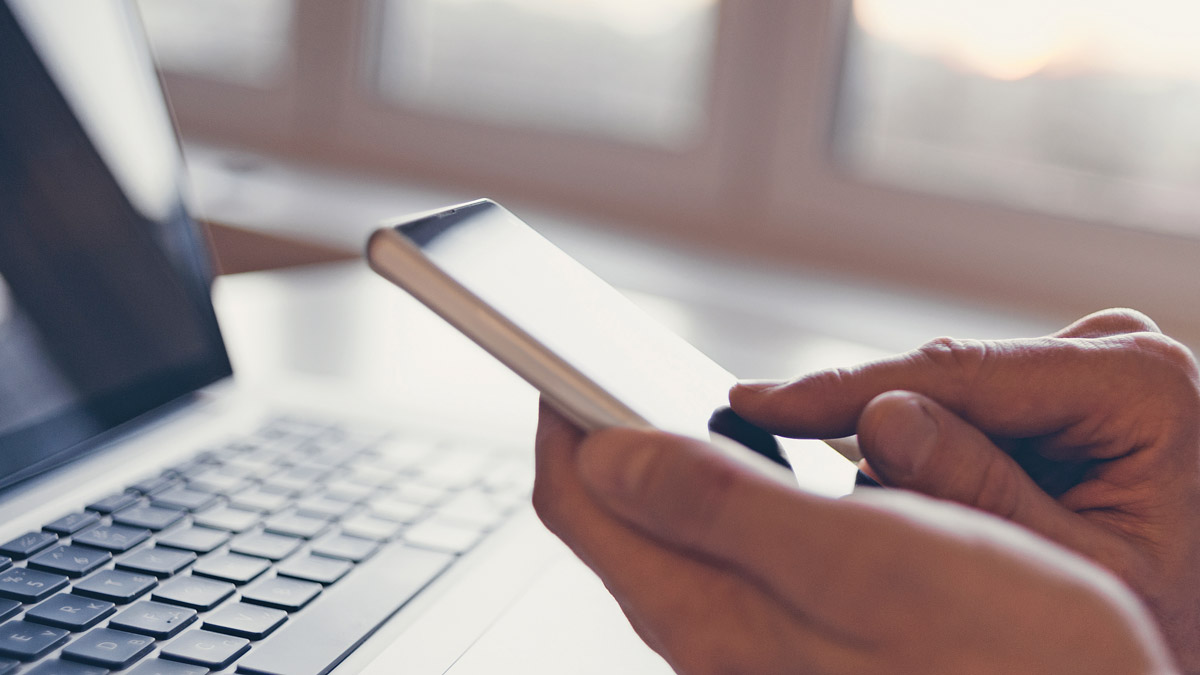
point(1031, 160)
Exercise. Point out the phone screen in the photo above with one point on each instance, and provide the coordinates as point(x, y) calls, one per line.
point(597, 331)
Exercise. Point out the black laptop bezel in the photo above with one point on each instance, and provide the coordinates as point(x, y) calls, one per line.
point(33, 98)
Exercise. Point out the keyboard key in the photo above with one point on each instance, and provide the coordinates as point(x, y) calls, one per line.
point(314, 568)
point(8, 665)
point(263, 498)
point(72, 523)
point(28, 544)
point(161, 562)
point(26, 641)
point(396, 510)
point(184, 498)
point(5, 563)
point(115, 538)
point(415, 493)
point(115, 503)
point(28, 585)
point(198, 539)
point(324, 506)
point(246, 621)
point(220, 481)
point(109, 648)
point(370, 527)
point(354, 549)
point(8, 608)
point(116, 586)
point(164, 667)
point(205, 648)
point(264, 545)
point(71, 612)
point(297, 478)
point(73, 561)
point(310, 644)
point(231, 567)
point(228, 518)
point(349, 491)
point(282, 593)
point(150, 486)
point(296, 525)
point(60, 667)
point(371, 469)
point(249, 466)
point(155, 619)
point(182, 469)
point(150, 517)
point(439, 535)
point(195, 592)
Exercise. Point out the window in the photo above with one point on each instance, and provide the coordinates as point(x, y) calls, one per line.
point(1074, 107)
point(628, 70)
point(240, 41)
point(1040, 153)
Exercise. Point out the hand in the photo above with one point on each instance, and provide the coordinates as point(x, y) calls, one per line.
point(1090, 437)
point(723, 570)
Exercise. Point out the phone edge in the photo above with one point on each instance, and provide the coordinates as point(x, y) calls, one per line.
point(572, 393)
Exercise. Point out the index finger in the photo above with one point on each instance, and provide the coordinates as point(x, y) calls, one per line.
point(1017, 388)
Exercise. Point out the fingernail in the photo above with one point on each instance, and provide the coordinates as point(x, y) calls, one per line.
point(616, 462)
point(904, 438)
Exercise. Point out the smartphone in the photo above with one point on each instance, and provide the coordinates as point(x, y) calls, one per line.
point(596, 357)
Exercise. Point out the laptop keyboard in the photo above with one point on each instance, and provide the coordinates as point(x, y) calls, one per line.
point(274, 554)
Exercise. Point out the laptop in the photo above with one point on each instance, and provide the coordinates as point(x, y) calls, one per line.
point(156, 517)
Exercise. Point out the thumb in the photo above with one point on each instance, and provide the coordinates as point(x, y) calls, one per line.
point(910, 441)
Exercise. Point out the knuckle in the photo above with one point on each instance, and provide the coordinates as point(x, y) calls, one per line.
point(997, 491)
point(1109, 322)
point(1170, 350)
point(963, 360)
point(1171, 355)
point(1124, 319)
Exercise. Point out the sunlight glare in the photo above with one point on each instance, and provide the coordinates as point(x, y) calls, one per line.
point(1019, 38)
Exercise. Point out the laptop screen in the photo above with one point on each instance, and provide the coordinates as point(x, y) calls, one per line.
point(105, 311)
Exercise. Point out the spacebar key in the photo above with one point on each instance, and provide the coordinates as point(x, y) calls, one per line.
point(345, 614)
